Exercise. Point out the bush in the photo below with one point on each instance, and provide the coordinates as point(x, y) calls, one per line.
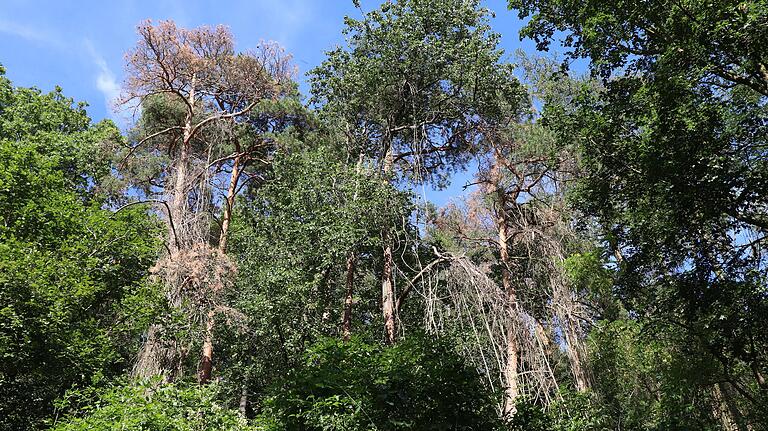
point(150, 406)
point(419, 384)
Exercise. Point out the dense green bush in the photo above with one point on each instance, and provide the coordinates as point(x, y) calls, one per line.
point(418, 384)
point(72, 274)
point(153, 406)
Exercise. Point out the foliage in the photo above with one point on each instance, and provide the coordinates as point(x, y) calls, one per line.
point(639, 302)
point(152, 406)
point(420, 383)
point(674, 171)
point(291, 239)
point(413, 82)
point(69, 270)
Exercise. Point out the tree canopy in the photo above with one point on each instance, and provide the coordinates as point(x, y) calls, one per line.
point(246, 257)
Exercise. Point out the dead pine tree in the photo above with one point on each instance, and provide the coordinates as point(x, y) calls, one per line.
point(514, 221)
point(522, 177)
point(200, 129)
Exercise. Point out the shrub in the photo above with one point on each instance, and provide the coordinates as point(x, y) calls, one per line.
point(419, 384)
point(152, 405)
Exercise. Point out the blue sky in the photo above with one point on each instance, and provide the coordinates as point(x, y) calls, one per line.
point(79, 45)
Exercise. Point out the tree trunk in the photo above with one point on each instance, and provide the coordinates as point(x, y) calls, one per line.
point(576, 356)
point(387, 280)
point(206, 362)
point(178, 203)
point(243, 408)
point(388, 292)
point(229, 203)
point(346, 323)
point(723, 410)
point(511, 374)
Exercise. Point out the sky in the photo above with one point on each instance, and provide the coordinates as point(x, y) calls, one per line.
point(79, 44)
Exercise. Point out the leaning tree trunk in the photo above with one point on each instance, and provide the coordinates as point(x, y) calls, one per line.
point(576, 355)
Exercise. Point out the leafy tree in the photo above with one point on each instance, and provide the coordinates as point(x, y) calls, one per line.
point(291, 240)
point(410, 88)
point(70, 271)
point(208, 114)
point(675, 171)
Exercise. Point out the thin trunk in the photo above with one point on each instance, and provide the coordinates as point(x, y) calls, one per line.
point(541, 334)
point(761, 383)
point(206, 362)
point(229, 203)
point(346, 323)
point(244, 398)
point(575, 356)
point(351, 265)
point(387, 281)
point(388, 292)
point(511, 375)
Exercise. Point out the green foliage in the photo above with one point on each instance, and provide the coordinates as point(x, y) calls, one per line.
point(153, 406)
point(672, 187)
point(68, 269)
point(414, 81)
point(675, 173)
point(572, 411)
point(721, 37)
point(291, 238)
point(419, 384)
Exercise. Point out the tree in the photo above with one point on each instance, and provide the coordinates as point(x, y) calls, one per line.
point(69, 269)
point(211, 110)
point(508, 243)
point(152, 406)
point(409, 88)
point(674, 152)
point(291, 240)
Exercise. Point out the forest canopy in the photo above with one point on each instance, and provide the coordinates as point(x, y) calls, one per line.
point(243, 256)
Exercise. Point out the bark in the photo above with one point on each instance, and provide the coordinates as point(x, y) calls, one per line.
point(346, 324)
point(387, 281)
point(206, 362)
point(243, 408)
point(229, 203)
point(388, 292)
point(722, 410)
point(742, 423)
point(544, 338)
point(512, 390)
point(761, 383)
point(179, 200)
point(206, 359)
point(511, 374)
point(576, 357)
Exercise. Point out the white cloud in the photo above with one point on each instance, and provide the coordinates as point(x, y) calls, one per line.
point(107, 84)
point(29, 33)
point(288, 17)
